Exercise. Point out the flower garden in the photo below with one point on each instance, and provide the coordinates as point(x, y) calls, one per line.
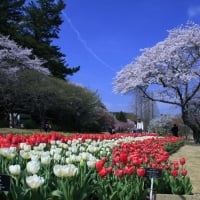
point(90, 166)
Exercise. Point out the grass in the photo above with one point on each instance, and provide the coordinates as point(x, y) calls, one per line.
point(25, 131)
point(19, 131)
point(30, 131)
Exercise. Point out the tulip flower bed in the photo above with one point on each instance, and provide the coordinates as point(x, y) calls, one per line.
point(89, 166)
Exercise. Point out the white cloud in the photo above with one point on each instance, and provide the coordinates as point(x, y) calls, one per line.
point(194, 11)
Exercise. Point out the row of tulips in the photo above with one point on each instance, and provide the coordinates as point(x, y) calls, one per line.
point(7, 140)
point(88, 167)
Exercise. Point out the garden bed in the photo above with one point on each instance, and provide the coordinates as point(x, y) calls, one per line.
point(89, 166)
point(174, 147)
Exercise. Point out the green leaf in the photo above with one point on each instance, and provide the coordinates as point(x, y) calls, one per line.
point(57, 193)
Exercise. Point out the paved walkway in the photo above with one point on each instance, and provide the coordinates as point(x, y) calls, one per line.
point(191, 153)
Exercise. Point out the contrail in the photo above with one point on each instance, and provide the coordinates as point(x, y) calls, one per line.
point(84, 43)
point(194, 11)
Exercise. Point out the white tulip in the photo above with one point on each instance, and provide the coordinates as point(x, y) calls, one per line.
point(42, 146)
point(68, 160)
point(24, 154)
point(34, 157)
point(13, 149)
point(4, 151)
point(11, 156)
point(21, 145)
point(34, 181)
point(68, 153)
point(84, 155)
point(45, 159)
point(92, 149)
point(14, 169)
point(27, 147)
point(69, 170)
point(82, 149)
point(33, 166)
point(65, 170)
point(69, 142)
point(57, 170)
point(73, 149)
point(52, 142)
point(9, 153)
point(58, 150)
point(45, 153)
point(57, 157)
point(64, 146)
point(91, 163)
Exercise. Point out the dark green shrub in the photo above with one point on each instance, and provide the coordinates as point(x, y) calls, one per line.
point(30, 124)
point(3, 123)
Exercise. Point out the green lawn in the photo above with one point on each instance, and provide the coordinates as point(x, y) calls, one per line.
point(26, 131)
point(19, 131)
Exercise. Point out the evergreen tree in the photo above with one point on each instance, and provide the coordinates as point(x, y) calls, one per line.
point(35, 26)
point(121, 116)
point(11, 17)
point(42, 21)
point(43, 18)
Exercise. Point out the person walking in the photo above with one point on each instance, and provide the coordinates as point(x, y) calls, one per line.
point(174, 130)
point(140, 126)
point(134, 129)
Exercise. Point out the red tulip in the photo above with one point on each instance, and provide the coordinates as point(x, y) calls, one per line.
point(103, 172)
point(158, 160)
point(183, 172)
point(164, 158)
point(123, 157)
point(99, 164)
point(129, 170)
point(136, 161)
point(153, 165)
point(146, 160)
point(109, 170)
point(140, 171)
point(174, 173)
point(119, 172)
point(176, 166)
point(115, 160)
point(167, 166)
point(182, 161)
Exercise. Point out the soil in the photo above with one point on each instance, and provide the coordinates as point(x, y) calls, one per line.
point(191, 152)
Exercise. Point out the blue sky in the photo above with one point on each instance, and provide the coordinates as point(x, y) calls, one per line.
point(101, 36)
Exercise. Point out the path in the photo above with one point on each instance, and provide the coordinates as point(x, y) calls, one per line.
point(191, 153)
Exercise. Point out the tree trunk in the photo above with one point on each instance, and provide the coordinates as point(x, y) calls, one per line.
point(196, 135)
point(194, 126)
point(13, 122)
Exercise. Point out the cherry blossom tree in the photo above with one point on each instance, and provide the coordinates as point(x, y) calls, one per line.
point(171, 69)
point(14, 58)
point(162, 122)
